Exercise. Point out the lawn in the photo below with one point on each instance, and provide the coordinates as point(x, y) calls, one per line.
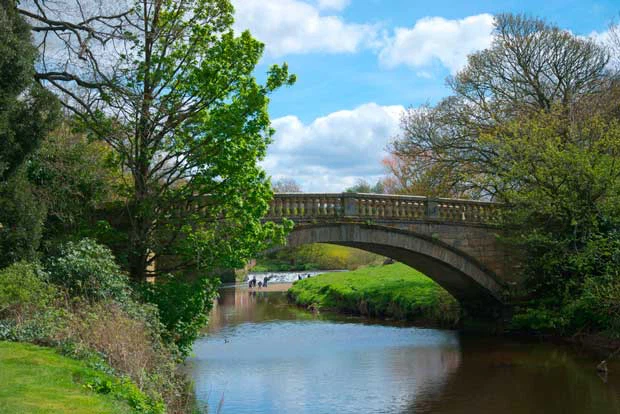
point(393, 291)
point(38, 380)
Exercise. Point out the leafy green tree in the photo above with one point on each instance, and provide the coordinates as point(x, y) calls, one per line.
point(177, 100)
point(183, 307)
point(564, 194)
point(362, 186)
point(72, 194)
point(27, 111)
point(532, 121)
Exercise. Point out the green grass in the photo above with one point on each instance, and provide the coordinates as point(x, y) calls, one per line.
point(393, 291)
point(318, 256)
point(38, 380)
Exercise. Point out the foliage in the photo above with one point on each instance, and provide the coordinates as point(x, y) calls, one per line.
point(562, 181)
point(27, 111)
point(395, 291)
point(121, 339)
point(129, 340)
point(185, 117)
point(22, 218)
point(183, 307)
point(88, 270)
point(529, 67)
point(362, 186)
point(525, 128)
point(316, 256)
point(71, 193)
point(24, 290)
point(28, 309)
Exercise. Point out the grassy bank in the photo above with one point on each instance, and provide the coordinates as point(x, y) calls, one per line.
point(393, 291)
point(316, 256)
point(38, 380)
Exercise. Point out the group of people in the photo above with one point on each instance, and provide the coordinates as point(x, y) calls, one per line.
point(252, 283)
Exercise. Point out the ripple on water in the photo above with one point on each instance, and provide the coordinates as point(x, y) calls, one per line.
point(263, 356)
point(314, 366)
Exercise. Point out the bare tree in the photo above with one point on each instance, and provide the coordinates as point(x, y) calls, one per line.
point(530, 66)
point(286, 185)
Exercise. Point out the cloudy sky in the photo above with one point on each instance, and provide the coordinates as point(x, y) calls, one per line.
point(359, 63)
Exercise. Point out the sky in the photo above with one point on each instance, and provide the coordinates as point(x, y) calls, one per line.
point(360, 63)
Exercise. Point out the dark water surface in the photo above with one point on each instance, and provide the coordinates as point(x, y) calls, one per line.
point(262, 355)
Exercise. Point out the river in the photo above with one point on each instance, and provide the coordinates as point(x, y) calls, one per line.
point(262, 355)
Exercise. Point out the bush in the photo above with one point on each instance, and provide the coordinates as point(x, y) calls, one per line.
point(598, 307)
point(129, 341)
point(24, 291)
point(100, 323)
point(27, 304)
point(183, 307)
point(88, 270)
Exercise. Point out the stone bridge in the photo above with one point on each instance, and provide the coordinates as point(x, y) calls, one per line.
point(454, 242)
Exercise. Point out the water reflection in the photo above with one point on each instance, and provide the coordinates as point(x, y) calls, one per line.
point(296, 363)
point(497, 376)
point(262, 355)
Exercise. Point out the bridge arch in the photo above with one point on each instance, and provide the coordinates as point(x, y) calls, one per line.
point(460, 274)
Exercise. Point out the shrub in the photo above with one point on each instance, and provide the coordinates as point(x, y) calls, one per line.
point(28, 311)
point(88, 270)
point(183, 307)
point(23, 291)
point(128, 340)
point(598, 307)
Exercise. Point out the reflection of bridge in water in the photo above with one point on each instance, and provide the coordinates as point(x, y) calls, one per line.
point(454, 242)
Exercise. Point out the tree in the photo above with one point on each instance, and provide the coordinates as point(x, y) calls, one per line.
point(71, 193)
point(22, 218)
point(533, 122)
point(27, 111)
point(530, 66)
point(564, 193)
point(362, 186)
point(286, 185)
point(416, 177)
point(170, 87)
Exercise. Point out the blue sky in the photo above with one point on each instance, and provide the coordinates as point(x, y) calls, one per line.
point(359, 63)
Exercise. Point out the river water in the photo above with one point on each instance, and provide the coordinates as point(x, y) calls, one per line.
point(262, 355)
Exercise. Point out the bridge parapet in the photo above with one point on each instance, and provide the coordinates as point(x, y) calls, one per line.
point(362, 206)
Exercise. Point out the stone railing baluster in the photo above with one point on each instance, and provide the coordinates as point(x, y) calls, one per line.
point(381, 207)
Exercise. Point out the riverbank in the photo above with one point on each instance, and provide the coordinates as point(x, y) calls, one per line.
point(38, 380)
point(393, 291)
point(316, 257)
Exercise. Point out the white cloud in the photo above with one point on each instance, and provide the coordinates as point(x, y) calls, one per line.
point(299, 27)
point(333, 4)
point(294, 27)
point(333, 151)
point(610, 39)
point(436, 38)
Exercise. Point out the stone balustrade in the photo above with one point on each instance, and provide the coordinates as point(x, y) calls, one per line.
point(310, 206)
